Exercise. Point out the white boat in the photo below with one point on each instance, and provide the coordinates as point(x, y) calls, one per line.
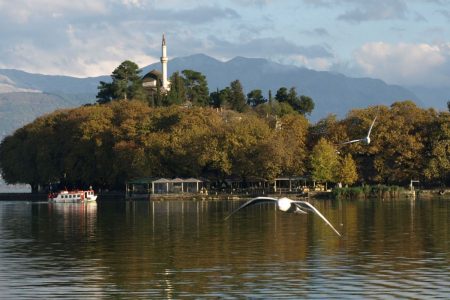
point(72, 196)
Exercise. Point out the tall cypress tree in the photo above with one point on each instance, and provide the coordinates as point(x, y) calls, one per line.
point(237, 97)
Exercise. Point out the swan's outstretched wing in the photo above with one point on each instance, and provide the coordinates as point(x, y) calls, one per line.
point(352, 141)
point(371, 126)
point(308, 206)
point(257, 200)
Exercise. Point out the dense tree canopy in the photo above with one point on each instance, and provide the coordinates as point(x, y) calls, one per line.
point(407, 143)
point(105, 145)
point(126, 84)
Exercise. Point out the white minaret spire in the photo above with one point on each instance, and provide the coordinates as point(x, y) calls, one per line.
point(164, 60)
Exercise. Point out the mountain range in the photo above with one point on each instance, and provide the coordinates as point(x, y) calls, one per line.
point(25, 96)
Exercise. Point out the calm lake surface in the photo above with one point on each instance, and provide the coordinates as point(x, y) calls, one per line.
point(171, 250)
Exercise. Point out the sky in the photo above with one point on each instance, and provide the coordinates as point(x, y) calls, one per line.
point(404, 42)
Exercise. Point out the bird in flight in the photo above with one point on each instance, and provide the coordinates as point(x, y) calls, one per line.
point(366, 139)
point(286, 205)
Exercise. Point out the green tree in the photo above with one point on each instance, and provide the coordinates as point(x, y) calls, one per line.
point(306, 105)
point(105, 92)
point(448, 106)
point(126, 84)
point(324, 162)
point(215, 100)
point(196, 87)
point(177, 93)
point(302, 104)
point(236, 98)
point(255, 98)
point(348, 173)
point(282, 95)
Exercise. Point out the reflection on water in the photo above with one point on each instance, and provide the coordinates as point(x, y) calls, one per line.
point(390, 249)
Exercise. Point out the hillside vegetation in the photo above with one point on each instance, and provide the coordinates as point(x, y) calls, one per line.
point(104, 145)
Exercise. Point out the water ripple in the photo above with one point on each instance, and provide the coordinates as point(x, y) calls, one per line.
point(178, 250)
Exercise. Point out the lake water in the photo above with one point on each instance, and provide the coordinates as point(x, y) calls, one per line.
point(171, 250)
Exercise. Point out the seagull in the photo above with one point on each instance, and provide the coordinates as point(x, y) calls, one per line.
point(286, 205)
point(365, 140)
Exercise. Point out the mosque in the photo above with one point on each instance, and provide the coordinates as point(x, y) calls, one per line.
point(154, 79)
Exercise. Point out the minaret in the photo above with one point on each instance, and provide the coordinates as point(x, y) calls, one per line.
point(164, 60)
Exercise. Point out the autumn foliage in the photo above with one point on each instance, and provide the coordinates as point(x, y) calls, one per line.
point(105, 145)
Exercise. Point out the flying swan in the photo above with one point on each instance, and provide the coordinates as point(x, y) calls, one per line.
point(366, 139)
point(286, 205)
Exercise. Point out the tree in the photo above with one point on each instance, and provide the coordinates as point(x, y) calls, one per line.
point(255, 98)
point(324, 161)
point(398, 149)
point(236, 97)
point(282, 94)
point(126, 84)
point(177, 93)
point(438, 165)
point(105, 92)
point(292, 136)
point(448, 106)
point(214, 99)
point(301, 104)
point(348, 173)
point(196, 87)
point(221, 99)
point(306, 105)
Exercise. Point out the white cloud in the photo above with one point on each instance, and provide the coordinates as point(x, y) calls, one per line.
point(407, 64)
point(137, 3)
point(318, 63)
point(21, 11)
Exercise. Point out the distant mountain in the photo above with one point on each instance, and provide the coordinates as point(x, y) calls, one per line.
point(435, 97)
point(331, 92)
point(24, 96)
point(53, 84)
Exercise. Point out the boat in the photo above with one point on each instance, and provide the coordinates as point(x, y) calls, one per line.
point(76, 196)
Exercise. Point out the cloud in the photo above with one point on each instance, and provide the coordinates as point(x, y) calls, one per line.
point(406, 64)
point(23, 11)
point(317, 32)
point(202, 14)
point(268, 47)
point(373, 10)
point(277, 49)
point(357, 11)
point(92, 37)
point(259, 3)
point(445, 13)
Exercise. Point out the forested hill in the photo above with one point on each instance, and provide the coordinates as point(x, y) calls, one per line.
point(24, 96)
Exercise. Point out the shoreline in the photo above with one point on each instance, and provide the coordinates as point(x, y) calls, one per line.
point(120, 196)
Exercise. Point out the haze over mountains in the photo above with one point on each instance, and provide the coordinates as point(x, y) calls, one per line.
point(25, 96)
